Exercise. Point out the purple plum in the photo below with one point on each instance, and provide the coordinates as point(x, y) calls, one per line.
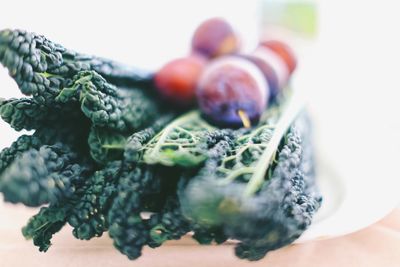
point(232, 91)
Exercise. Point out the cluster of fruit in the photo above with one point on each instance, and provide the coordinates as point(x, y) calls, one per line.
point(231, 88)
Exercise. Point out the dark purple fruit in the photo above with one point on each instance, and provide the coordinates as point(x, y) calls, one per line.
point(269, 74)
point(215, 37)
point(231, 91)
point(274, 60)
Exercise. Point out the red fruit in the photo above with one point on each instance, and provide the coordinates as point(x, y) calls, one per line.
point(284, 51)
point(215, 37)
point(177, 80)
point(231, 91)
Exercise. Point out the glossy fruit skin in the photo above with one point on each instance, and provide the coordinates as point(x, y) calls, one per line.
point(276, 62)
point(230, 84)
point(269, 75)
point(176, 81)
point(284, 51)
point(215, 37)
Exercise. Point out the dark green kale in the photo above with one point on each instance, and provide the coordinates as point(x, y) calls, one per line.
point(106, 145)
point(128, 229)
point(185, 142)
point(107, 106)
point(206, 236)
point(105, 153)
point(22, 144)
point(42, 226)
point(88, 216)
point(270, 214)
point(22, 113)
point(43, 175)
point(179, 143)
point(85, 209)
point(42, 68)
point(169, 224)
point(25, 113)
point(60, 132)
point(64, 132)
point(136, 142)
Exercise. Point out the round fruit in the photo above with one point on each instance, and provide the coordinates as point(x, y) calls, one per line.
point(269, 74)
point(274, 60)
point(177, 80)
point(284, 51)
point(215, 37)
point(232, 91)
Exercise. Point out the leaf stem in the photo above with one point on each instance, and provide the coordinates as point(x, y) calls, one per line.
point(289, 115)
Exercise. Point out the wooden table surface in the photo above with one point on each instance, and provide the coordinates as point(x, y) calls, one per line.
point(377, 245)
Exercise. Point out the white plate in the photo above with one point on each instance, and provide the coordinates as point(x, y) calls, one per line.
point(357, 140)
point(346, 206)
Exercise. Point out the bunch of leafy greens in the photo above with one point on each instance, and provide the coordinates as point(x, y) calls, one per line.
point(104, 151)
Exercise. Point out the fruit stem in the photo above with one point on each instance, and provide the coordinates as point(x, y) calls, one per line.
point(245, 119)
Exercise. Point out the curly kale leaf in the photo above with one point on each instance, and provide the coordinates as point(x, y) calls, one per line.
point(22, 113)
point(43, 175)
point(88, 216)
point(127, 228)
point(207, 235)
point(133, 150)
point(187, 142)
point(85, 209)
point(262, 213)
point(60, 132)
point(169, 224)
point(120, 74)
point(107, 106)
point(25, 113)
point(106, 145)
point(42, 226)
point(179, 143)
point(22, 144)
point(285, 206)
point(41, 68)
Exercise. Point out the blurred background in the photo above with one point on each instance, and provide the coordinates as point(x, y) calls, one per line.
point(348, 69)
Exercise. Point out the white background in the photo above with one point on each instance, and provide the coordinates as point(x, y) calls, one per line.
point(350, 72)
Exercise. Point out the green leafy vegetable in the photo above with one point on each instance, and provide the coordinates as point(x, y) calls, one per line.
point(178, 143)
point(170, 224)
point(22, 144)
point(25, 113)
point(42, 68)
point(88, 215)
point(264, 215)
point(105, 152)
point(106, 106)
point(40, 176)
point(106, 145)
point(136, 142)
point(127, 228)
point(44, 225)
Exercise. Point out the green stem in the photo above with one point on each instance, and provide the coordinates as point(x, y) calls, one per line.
point(120, 147)
point(236, 173)
point(287, 118)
